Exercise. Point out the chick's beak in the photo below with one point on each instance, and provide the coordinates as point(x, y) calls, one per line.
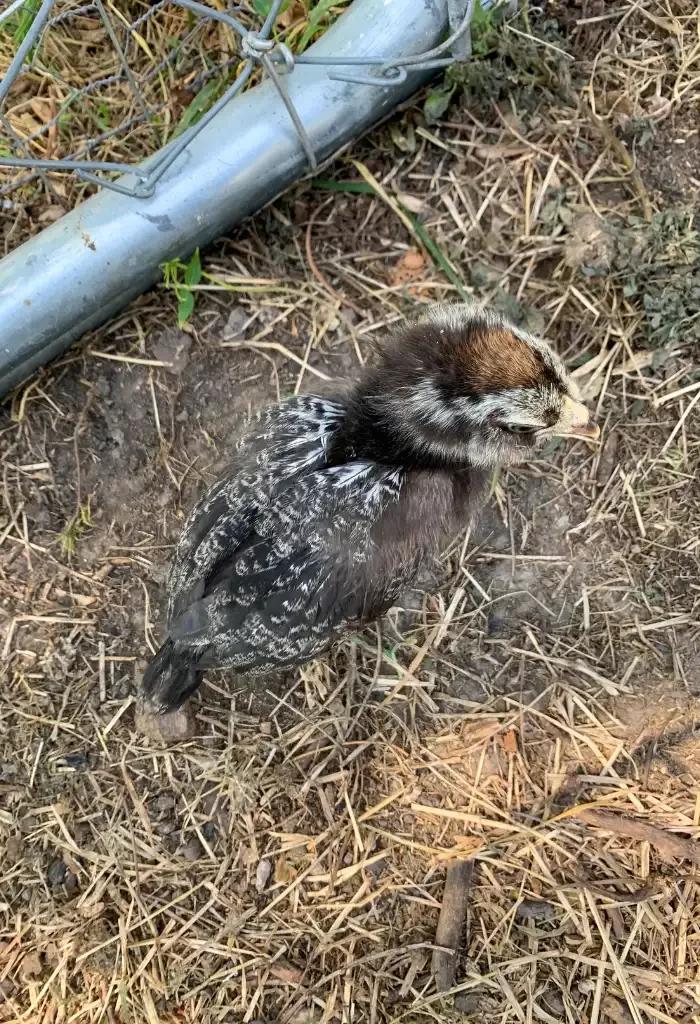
point(575, 421)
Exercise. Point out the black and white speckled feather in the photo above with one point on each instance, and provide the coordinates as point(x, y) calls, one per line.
point(268, 572)
point(330, 506)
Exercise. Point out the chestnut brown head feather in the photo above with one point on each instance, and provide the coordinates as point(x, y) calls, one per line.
point(495, 359)
point(462, 386)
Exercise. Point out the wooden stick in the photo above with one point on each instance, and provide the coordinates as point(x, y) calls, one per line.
point(670, 846)
point(453, 915)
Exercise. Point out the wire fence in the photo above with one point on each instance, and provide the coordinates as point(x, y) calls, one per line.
point(90, 91)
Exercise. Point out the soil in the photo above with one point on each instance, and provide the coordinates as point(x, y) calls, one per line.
point(668, 155)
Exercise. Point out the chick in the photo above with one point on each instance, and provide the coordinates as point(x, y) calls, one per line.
point(330, 506)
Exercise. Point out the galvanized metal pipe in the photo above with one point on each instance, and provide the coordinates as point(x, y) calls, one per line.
point(86, 267)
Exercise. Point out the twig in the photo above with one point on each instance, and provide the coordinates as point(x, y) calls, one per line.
point(313, 267)
point(391, 203)
point(276, 346)
point(670, 846)
point(453, 915)
point(127, 359)
point(681, 421)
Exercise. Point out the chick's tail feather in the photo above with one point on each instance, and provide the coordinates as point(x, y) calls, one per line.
point(170, 678)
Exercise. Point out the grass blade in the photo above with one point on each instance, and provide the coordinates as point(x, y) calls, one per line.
point(193, 270)
point(438, 256)
point(359, 187)
point(370, 186)
point(26, 19)
point(322, 8)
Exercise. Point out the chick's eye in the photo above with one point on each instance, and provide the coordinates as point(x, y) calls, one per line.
point(519, 428)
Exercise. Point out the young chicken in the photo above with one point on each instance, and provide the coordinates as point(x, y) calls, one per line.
point(330, 505)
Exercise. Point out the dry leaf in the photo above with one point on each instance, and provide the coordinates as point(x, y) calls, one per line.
point(249, 856)
point(42, 109)
point(285, 872)
point(674, 28)
point(476, 733)
point(84, 600)
point(498, 150)
point(510, 742)
point(295, 12)
point(92, 35)
point(590, 243)
point(284, 971)
point(31, 965)
point(295, 840)
point(592, 389)
point(468, 844)
point(408, 268)
point(70, 862)
point(51, 214)
point(90, 910)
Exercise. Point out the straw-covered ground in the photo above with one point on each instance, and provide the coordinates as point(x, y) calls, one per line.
point(533, 709)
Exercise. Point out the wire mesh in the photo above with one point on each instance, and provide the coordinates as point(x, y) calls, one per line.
point(91, 90)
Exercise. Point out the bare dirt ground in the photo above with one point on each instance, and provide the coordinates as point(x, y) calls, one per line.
point(534, 707)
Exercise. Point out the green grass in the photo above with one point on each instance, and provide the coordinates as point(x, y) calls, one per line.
point(181, 278)
point(317, 14)
point(74, 529)
point(20, 23)
point(198, 107)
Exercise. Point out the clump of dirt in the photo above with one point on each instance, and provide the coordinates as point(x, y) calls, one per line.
point(668, 157)
point(658, 264)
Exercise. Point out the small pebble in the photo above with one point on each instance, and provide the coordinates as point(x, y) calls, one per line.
point(14, 848)
point(56, 873)
point(192, 850)
point(31, 965)
point(237, 319)
point(535, 910)
point(262, 875)
point(167, 728)
point(467, 1002)
point(7, 987)
point(172, 346)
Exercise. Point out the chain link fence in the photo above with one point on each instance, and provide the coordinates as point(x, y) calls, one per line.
point(91, 91)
